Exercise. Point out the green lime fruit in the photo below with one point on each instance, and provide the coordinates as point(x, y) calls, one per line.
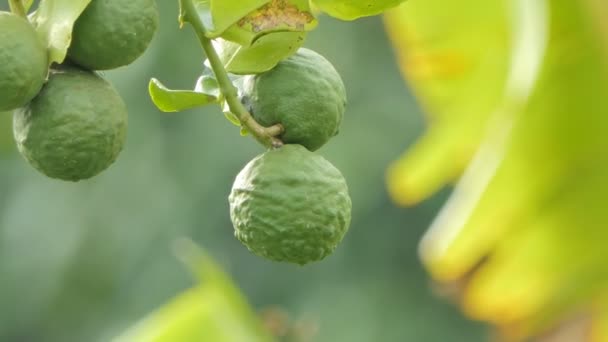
point(75, 128)
point(304, 93)
point(113, 33)
point(353, 9)
point(291, 205)
point(23, 62)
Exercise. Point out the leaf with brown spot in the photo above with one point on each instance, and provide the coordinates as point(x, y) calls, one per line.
point(275, 16)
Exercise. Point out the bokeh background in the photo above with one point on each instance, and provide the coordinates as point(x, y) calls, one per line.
point(85, 261)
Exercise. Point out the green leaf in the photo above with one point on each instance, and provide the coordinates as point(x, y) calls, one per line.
point(263, 55)
point(275, 16)
point(168, 100)
point(54, 21)
point(259, 38)
point(353, 9)
point(219, 15)
point(214, 310)
point(27, 4)
point(17, 6)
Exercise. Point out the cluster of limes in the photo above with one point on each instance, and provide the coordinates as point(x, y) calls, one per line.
point(69, 123)
point(287, 204)
point(290, 204)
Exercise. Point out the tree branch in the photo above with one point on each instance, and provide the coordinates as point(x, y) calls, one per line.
point(267, 136)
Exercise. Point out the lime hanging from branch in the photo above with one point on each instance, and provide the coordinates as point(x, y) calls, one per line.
point(304, 93)
point(23, 62)
point(74, 129)
point(113, 33)
point(290, 205)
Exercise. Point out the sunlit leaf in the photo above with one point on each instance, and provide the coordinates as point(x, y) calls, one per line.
point(169, 100)
point(55, 20)
point(232, 118)
point(547, 267)
point(219, 15)
point(353, 9)
point(27, 4)
point(599, 331)
point(264, 54)
point(215, 310)
point(525, 229)
point(275, 16)
point(456, 57)
point(260, 37)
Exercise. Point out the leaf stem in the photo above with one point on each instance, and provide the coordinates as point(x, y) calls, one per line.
point(267, 136)
point(17, 8)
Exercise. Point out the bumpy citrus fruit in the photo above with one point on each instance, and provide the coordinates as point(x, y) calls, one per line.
point(113, 33)
point(74, 129)
point(23, 62)
point(353, 9)
point(304, 93)
point(290, 204)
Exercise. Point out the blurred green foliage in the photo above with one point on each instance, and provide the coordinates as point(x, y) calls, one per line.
point(213, 310)
point(85, 261)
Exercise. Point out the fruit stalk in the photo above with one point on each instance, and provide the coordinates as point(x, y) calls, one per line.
point(267, 136)
point(17, 8)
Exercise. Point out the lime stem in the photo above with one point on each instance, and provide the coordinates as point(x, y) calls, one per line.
point(267, 136)
point(17, 8)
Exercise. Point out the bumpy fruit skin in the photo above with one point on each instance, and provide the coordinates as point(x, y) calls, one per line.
point(113, 33)
point(74, 129)
point(291, 205)
point(304, 93)
point(23, 62)
point(353, 9)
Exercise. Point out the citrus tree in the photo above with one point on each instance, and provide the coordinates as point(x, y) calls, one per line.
point(490, 78)
point(288, 204)
point(74, 127)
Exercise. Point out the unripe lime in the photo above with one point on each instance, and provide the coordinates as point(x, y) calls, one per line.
point(290, 204)
point(74, 129)
point(304, 93)
point(23, 62)
point(113, 33)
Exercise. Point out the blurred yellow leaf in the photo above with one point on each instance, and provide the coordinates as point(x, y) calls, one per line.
point(599, 331)
point(526, 225)
point(455, 55)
